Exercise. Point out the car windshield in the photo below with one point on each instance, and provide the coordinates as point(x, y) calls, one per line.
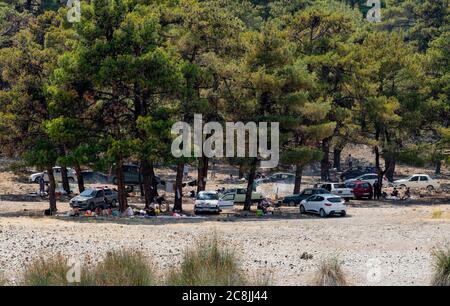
point(208, 196)
point(88, 193)
point(334, 200)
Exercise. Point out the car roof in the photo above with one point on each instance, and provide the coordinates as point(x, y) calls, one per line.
point(327, 195)
point(208, 192)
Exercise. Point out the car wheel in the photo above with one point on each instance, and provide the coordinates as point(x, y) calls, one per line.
point(71, 180)
point(302, 209)
point(402, 186)
point(430, 188)
point(113, 203)
point(322, 213)
point(36, 180)
point(291, 203)
point(343, 214)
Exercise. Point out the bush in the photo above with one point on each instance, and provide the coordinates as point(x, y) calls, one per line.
point(123, 268)
point(208, 264)
point(47, 272)
point(437, 214)
point(441, 267)
point(330, 273)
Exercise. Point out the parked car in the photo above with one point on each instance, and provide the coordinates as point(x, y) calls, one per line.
point(295, 199)
point(239, 195)
point(370, 178)
point(92, 198)
point(418, 181)
point(131, 173)
point(353, 173)
point(361, 189)
point(94, 177)
point(324, 205)
point(338, 189)
point(210, 201)
point(280, 177)
point(34, 178)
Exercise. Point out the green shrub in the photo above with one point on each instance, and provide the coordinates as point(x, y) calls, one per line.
point(441, 265)
point(208, 264)
point(330, 273)
point(123, 268)
point(47, 272)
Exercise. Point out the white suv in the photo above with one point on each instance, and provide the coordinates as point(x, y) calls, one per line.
point(324, 205)
point(418, 181)
point(338, 189)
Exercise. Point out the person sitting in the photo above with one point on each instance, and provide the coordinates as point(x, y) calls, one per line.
point(394, 193)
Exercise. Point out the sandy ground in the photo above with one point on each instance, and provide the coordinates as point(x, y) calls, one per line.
point(378, 244)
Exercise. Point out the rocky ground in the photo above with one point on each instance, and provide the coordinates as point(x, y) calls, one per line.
point(378, 243)
point(385, 244)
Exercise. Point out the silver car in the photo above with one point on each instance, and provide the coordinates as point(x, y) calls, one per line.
point(90, 199)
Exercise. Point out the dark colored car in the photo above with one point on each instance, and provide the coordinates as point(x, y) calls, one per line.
point(93, 177)
point(352, 173)
point(132, 176)
point(295, 199)
point(361, 189)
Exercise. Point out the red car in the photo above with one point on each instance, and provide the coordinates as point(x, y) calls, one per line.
point(361, 189)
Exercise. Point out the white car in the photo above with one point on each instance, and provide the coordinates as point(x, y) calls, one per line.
point(338, 189)
point(324, 205)
point(418, 181)
point(370, 178)
point(209, 201)
point(34, 178)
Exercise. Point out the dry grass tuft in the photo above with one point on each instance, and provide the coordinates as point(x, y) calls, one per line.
point(330, 273)
point(441, 266)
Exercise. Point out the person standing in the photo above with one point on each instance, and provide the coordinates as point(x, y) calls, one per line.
point(185, 171)
point(41, 185)
point(376, 193)
point(350, 161)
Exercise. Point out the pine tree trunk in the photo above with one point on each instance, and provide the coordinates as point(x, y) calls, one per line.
point(251, 179)
point(390, 169)
point(325, 162)
point(121, 188)
point(65, 180)
point(241, 170)
point(80, 180)
point(298, 179)
point(178, 205)
point(202, 173)
point(438, 167)
point(51, 190)
point(337, 158)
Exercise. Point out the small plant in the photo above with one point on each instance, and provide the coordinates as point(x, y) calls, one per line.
point(2, 280)
point(441, 265)
point(437, 214)
point(330, 273)
point(47, 272)
point(208, 264)
point(123, 268)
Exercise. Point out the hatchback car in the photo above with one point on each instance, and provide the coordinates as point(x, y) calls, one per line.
point(338, 189)
point(295, 199)
point(361, 189)
point(324, 205)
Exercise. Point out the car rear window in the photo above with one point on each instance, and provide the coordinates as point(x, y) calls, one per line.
point(350, 185)
point(335, 200)
point(339, 186)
